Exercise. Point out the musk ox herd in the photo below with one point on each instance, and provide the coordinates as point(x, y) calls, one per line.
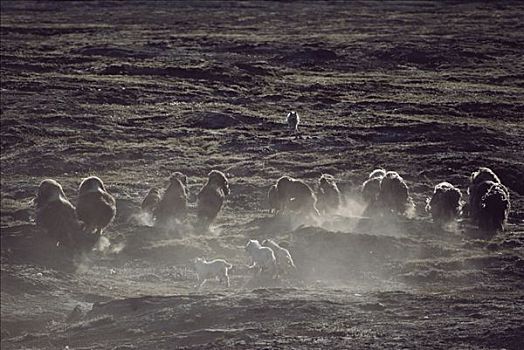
point(69, 226)
point(383, 192)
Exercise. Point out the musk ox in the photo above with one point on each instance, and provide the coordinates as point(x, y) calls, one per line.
point(295, 195)
point(173, 204)
point(150, 202)
point(489, 202)
point(56, 215)
point(494, 208)
point(217, 268)
point(444, 205)
point(211, 197)
point(371, 189)
point(477, 188)
point(394, 194)
point(328, 195)
point(95, 207)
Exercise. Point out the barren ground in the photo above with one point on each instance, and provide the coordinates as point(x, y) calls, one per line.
point(132, 91)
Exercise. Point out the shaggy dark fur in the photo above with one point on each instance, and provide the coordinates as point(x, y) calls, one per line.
point(477, 189)
point(394, 193)
point(371, 187)
point(296, 196)
point(444, 205)
point(57, 216)
point(95, 207)
point(173, 204)
point(211, 197)
point(151, 201)
point(494, 207)
point(328, 195)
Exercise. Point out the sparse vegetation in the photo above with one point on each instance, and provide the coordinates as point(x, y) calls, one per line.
point(133, 91)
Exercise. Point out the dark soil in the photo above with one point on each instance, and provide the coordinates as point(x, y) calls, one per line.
point(133, 91)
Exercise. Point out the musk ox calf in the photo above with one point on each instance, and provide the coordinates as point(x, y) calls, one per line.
point(284, 260)
point(295, 195)
point(56, 215)
point(217, 268)
point(95, 207)
point(444, 205)
point(151, 201)
point(211, 197)
point(328, 195)
point(173, 204)
point(292, 120)
point(394, 194)
point(261, 258)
